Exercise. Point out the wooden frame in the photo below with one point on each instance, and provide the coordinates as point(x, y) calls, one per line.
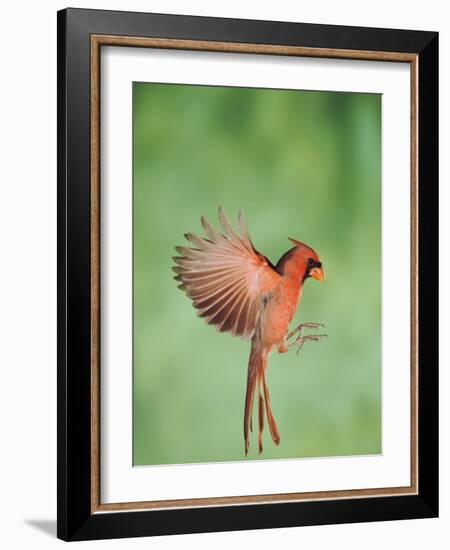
point(81, 34)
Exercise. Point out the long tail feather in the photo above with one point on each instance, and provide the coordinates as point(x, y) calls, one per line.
point(256, 377)
point(271, 420)
point(252, 376)
point(260, 416)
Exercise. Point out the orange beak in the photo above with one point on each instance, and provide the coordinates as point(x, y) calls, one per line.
point(318, 274)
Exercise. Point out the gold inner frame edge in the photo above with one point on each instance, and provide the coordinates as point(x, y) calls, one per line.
point(97, 41)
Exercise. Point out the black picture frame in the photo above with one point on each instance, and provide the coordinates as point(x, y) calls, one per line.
point(76, 521)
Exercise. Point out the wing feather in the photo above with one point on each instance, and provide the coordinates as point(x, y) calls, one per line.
point(243, 229)
point(225, 276)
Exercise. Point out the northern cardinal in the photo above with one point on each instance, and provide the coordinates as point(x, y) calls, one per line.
point(237, 289)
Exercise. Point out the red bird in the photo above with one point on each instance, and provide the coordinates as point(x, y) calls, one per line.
point(238, 290)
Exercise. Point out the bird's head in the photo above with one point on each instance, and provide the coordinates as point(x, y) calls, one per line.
point(306, 261)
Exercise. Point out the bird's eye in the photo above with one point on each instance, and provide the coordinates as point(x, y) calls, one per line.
point(311, 262)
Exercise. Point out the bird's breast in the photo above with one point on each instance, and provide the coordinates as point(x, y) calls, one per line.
point(278, 313)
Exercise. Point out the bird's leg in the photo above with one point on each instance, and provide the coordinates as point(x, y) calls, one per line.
point(300, 340)
point(302, 326)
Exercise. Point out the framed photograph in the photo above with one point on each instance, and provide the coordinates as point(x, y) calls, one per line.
point(212, 173)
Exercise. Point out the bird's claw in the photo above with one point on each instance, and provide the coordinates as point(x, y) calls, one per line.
point(299, 328)
point(301, 339)
point(299, 342)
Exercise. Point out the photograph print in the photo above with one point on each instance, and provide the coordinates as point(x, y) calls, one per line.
point(256, 274)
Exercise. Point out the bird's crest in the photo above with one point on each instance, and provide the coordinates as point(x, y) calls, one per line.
point(302, 245)
point(297, 243)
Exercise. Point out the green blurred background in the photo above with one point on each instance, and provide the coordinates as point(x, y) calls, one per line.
point(300, 164)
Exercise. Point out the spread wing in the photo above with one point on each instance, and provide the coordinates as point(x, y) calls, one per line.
point(225, 276)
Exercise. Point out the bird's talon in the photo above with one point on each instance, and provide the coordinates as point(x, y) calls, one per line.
point(299, 328)
point(300, 340)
